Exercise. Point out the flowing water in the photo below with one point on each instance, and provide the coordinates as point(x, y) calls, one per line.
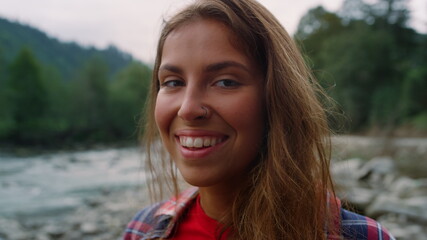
point(54, 183)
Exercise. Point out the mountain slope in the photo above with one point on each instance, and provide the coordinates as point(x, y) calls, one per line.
point(66, 57)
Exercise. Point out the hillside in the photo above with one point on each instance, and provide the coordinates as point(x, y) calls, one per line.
point(56, 94)
point(66, 57)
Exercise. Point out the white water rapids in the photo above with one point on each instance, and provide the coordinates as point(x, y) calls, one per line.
point(61, 181)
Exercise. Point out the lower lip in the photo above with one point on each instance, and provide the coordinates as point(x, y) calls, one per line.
point(196, 153)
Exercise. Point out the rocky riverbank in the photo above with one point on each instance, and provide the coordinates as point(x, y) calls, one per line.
point(89, 194)
point(100, 218)
point(375, 188)
point(385, 179)
point(379, 187)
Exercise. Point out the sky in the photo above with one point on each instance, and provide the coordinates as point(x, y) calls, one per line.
point(133, 25)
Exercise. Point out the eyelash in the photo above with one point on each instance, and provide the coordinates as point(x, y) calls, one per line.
point(224, 82)
point(176, 83)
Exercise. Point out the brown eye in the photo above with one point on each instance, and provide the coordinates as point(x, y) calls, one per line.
point(227, 83)
point(173, 83)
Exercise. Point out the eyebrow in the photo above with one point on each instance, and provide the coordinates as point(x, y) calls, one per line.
point(210, 68)
point(226, 64)
point(171, 68)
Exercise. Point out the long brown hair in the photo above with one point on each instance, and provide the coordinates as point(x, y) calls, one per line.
point(286, 194)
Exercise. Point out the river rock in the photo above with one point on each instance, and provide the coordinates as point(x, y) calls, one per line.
point(403, 187)
point(345, 172)
point(90, 228)
point(388, 204)
point(375, 188)
point(12, 229)
point(421, 189)
point(42, 236)
point(378, 166)
point(55, 231)
point(93, 202)
point(359, 197)
point(409, 232)
point(418, 203)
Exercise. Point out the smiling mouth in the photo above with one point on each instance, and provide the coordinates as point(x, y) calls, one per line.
point(199, 142)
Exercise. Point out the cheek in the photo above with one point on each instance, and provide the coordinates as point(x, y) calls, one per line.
point(162, 115)
point(251, 107)
point(247, 115)
point(253, 117)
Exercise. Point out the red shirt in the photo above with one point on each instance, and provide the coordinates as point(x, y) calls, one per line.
point(159, 221)
point(196, 225)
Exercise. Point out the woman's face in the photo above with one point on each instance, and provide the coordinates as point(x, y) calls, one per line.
point(201, 69)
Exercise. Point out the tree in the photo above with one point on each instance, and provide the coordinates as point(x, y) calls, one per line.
point(128, 92)
point(57, 121)
point(89, 101)
point(27, 98)
point(7, 123)
point(390, 12)
point(373, 61)
point(361, 63)
point(314, 29)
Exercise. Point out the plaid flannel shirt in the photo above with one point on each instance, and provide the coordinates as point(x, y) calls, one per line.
point(158, 221)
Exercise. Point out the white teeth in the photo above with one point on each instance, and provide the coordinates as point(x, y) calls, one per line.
point(198, 142)
point(189, 142)
point(207, 142)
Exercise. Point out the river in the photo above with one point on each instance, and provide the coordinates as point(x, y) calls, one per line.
point(61, 181)
point(53, 183)
point(93, 194)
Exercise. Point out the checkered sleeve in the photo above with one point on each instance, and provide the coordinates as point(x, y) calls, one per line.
point(355, 226)
point(158, 220)
point(142, 223)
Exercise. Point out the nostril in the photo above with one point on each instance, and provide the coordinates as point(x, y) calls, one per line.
point(190, 113)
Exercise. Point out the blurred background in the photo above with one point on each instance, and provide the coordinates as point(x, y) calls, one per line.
point(74, 77)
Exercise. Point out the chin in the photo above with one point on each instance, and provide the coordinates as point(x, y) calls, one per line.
point(201, 182)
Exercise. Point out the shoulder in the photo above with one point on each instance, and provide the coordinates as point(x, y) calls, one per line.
point(355, 226)
point(143, 223)
point(159, 219)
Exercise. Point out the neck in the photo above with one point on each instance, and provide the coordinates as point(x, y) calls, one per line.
point(216, 201)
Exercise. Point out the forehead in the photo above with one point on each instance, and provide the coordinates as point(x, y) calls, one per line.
point(202, 27)
point(207, 37)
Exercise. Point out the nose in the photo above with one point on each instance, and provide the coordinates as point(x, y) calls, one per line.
point(192, 107)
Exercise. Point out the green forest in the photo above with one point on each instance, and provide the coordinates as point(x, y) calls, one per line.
point(61, 95)
point(372, 63)
point(366, 56)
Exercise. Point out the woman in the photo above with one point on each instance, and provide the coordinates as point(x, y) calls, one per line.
point(237, 112)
